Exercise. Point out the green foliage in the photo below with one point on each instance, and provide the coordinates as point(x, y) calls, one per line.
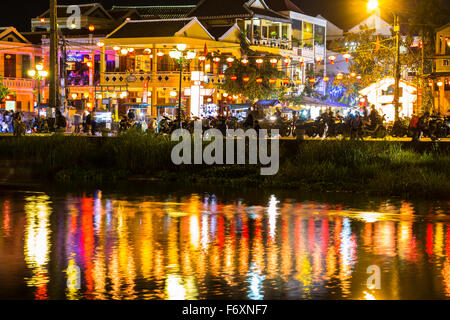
point(251, 89)
point(383, 168)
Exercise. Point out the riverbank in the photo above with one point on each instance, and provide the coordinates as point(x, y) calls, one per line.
point(376, 168)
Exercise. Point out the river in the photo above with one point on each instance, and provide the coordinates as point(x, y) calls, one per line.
point(161, 244)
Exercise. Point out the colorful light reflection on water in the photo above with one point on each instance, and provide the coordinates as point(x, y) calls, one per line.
point(198, 247)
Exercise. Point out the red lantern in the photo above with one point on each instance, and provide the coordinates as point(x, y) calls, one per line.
point(347, 57)
point(259, 80)
point(233, 78)
point(312, 80)
point(340, 76)
point(326, 79)
point(302, 61)
point(91, 28)
point(332, 58)
point(272, 81)
point(259, 62)
point(246, 79)
point(299, 82)
point(221, 76)
point(286, 81)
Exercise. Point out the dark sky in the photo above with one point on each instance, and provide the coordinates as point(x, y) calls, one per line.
point(344, 13)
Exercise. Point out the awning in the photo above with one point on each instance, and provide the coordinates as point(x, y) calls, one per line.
point(241, 106)
point(168, 106)
point(316, 102)
point(292, 108)
point(137, 105)
point(268, 103)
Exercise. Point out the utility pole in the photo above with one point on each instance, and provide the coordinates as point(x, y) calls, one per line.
point(53, 94)
point(397, 67)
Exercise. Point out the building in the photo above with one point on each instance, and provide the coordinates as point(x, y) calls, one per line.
point(17, 57)
point(381, 94)
point(81, 40)
point(440, 79)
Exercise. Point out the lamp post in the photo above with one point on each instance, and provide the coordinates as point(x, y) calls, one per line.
point(373, 5)
point(182, 59)
point(38, 74)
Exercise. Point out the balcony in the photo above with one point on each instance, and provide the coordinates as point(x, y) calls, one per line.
point(273, 43)
point(18, 83)
point(158, 79)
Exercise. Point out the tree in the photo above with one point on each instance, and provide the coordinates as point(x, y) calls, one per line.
point(4, 91)
point(251, 89)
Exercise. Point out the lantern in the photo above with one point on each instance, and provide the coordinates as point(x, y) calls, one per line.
point(440, 84)
point(273, 62)
point(332, 59)
point(124, 51)
point(202, 58)
point(246, 79)
point(130, 50)
point(272, 81)
point(42, 20)
point(221, 76)
point(116, 48)
point(259, 62)
point(148, 51)
point(160, 54)
point(286, 81)
point(100, 44)
point(216, 60)
point(430, 83)
point(302, 61)
point(312, 80)
point(91, 28)
point(244, 61)
point(358, 77)
point(340, 76)
point(326, 79)
point(287, 61)
point(319, 60)
point(353, 74)
point(298, 82)
point(347, 57)
point(230, 60)
point(259, 80)
point(234, 78)
point(448, 42)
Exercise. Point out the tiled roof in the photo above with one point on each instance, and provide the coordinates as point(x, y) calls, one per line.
point(230, 8)
point(161, 12)
point(282, 5)
point(150, 28)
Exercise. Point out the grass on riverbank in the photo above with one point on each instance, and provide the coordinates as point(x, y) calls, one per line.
point(383, 168)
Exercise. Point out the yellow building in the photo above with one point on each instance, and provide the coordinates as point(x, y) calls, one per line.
point(18, 55)
point(441, 75)
point(149, 77)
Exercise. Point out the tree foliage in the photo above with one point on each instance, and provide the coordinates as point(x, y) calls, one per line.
point(4, 91)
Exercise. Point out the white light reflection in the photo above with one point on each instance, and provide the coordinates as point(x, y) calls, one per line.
point(273, 214)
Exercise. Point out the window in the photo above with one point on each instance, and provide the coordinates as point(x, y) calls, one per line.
point(296, 30)
point(319, 35)
point(445, 63)
point(26, 65)
point(307, 34)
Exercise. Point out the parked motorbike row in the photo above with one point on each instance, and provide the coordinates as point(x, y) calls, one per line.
point(436, 128)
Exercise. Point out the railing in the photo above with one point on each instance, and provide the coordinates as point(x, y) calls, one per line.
point(170, 78)
point(18, 83)
point(273, 43)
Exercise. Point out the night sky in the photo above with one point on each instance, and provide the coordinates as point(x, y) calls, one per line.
point(344, 13)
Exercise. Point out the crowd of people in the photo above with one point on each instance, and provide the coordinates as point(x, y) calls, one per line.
point(355, 125)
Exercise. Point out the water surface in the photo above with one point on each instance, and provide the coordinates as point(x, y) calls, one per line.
point(185, 245)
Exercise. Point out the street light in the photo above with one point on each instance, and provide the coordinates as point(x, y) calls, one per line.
point(182, 60)
point(38, 74)
point(374, 5)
